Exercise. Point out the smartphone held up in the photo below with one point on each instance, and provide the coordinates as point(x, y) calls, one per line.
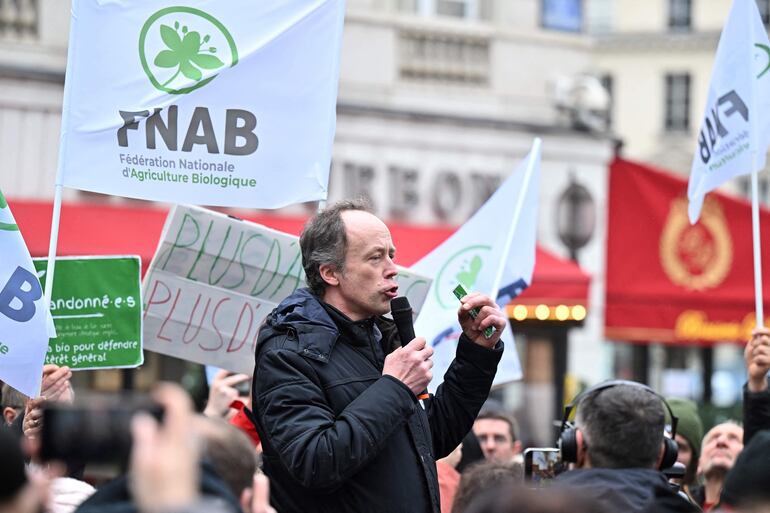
point(541, 466)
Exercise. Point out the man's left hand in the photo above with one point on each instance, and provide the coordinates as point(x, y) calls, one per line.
point(489, 315)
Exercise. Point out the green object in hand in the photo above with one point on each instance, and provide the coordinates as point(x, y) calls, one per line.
point(460, 293)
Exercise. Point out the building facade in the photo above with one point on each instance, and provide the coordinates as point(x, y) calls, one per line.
point(438, 101)
point(656, 58)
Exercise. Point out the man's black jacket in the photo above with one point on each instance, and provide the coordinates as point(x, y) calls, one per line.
point(627, 490)
point(756, 412)
point(338, 436)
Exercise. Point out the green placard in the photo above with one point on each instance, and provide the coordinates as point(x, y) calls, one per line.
point(97, 310)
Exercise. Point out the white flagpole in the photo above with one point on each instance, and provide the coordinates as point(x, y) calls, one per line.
point(535, 150)
point(757, 246)
point(758, 296)
point(50, 266)
point(52, 243)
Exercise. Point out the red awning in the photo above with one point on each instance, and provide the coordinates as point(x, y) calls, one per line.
point(98, 229)
point(668, 281)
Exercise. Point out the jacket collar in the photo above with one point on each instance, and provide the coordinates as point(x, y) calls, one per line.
point(315, 325)
point(355, 332)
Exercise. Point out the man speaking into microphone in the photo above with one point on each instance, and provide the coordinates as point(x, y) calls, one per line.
point(336, 391)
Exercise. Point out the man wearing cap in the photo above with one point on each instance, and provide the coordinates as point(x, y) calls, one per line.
point(689, 433)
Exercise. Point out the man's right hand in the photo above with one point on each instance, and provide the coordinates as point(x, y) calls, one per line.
point(757, 356)
point(411, 365)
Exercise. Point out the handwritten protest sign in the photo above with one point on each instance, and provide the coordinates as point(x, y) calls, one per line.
point(215, 278)
point(95, 305)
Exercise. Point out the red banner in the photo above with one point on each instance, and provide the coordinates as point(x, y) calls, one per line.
point(668, 281)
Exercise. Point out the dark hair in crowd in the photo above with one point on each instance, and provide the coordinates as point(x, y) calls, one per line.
point(229, 451)
point(472, 452)
point(12, 397)
point(481, 477)
point(13, 476)
point(496, 414)
point(622, 426)
point(517, 499)
point(323, 241)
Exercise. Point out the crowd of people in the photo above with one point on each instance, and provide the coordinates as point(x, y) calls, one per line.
point(337, 419)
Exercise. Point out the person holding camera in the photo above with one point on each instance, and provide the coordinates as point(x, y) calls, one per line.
point(336, 395)
point(618, 448)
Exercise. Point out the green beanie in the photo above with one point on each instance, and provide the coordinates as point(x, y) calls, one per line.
point(690, 426)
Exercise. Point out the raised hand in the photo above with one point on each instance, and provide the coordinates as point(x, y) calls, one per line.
point(222, 393)
point(411, 365)
point(757, 356)
point(489, 315)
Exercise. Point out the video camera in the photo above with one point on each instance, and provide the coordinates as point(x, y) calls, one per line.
point(97, 429)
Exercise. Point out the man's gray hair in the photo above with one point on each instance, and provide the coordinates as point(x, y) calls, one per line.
point(622, 427)
point(323, 241)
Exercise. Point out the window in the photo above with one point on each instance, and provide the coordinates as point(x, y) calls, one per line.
point(764, 11)
point(436, 56)
point(679, 14)
point(678, 102)
point(598, 16)
point(566, 15)
point(467, 9)
point(19, 17)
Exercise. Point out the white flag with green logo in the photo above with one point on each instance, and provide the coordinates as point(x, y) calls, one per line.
point(205, 102)
point(492, 253)
point(736, 122)
point(25, 324)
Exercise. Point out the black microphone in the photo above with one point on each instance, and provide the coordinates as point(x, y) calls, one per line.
point(402, 316)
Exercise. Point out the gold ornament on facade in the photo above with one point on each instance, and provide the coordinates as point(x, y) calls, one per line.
point(696, 257)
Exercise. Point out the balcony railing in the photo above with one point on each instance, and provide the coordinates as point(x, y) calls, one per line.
point(18, 19)
point(429, 56)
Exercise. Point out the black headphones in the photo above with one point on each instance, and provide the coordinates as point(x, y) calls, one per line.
point(567, 442)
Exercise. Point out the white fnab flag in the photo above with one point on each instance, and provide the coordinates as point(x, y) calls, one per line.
point(25, 324)
point(202, 102)
point(736, 125)
point(492, 253)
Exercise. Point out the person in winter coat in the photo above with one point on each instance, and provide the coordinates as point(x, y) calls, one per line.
point(335, 396)
point(619, 448)
point(756, 395)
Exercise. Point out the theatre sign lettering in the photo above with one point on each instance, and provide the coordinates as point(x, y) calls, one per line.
point(696, 325)
point(397, 191)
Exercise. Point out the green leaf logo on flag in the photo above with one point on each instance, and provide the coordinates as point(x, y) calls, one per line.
point(463, 267)
point(178, 46)
point(5, 212)
point(767, 54)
